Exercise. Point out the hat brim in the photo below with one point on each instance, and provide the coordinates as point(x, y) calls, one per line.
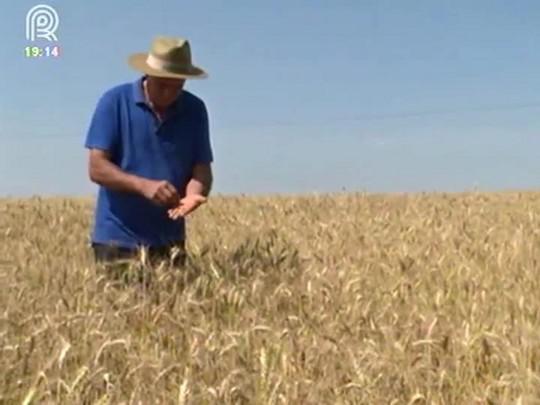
point(138, 62)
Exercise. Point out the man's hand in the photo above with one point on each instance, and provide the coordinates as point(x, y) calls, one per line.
point(161, 192)
point(187, 205)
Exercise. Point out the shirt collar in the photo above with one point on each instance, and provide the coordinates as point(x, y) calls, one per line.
point(138, 94)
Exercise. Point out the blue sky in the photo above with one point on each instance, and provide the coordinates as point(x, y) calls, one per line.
point(303, 96)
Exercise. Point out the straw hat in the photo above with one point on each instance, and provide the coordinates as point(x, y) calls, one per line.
point(168, 57)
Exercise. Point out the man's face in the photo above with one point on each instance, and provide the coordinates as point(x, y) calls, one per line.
point(163, 91)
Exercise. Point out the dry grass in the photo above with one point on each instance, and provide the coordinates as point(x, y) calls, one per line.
point(311, 300)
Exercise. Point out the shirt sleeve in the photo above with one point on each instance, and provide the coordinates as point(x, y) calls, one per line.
point(203, 149)
point(103, 130)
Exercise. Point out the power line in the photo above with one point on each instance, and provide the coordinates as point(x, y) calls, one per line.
point(355, 118)
point(400, 115)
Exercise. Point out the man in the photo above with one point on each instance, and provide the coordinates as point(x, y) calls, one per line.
point(150, 154)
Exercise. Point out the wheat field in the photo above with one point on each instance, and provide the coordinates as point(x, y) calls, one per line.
point(321, 299)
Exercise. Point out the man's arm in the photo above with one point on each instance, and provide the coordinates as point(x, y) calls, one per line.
point(201, 175)
point(201, 180)
point(197, 191)
point(105, 173)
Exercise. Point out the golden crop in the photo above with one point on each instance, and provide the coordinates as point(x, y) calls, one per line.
point(329, 299)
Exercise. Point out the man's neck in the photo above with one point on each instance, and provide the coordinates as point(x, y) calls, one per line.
point(160, 112)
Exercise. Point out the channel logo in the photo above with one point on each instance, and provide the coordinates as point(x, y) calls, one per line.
point(42, 22)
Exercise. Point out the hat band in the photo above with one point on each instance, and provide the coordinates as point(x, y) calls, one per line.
point(160, 64)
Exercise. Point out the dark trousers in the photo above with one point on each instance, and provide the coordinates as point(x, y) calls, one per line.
point(110, 254)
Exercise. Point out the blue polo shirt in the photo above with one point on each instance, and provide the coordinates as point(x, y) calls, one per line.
point(124, 124)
